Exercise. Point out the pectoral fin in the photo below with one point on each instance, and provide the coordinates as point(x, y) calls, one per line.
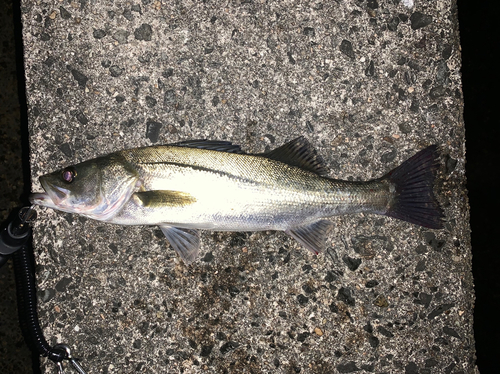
point(312, 236)
point(163, 198)
point(186, 242)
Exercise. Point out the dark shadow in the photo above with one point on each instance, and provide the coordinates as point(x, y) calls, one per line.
point(21, 92)
point(478, 34)
point(29, 362)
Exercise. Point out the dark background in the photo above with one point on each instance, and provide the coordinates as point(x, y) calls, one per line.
point(480, 44)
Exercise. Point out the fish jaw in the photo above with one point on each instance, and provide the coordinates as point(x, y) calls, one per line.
point(43, 199)
point(53, 197)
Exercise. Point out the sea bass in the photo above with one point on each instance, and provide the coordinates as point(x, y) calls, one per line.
point(214, 185)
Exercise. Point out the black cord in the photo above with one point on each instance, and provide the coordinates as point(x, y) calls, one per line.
point(27, 306)
point(15, 241)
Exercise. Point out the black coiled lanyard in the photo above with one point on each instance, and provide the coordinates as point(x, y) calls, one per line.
point(15, 240)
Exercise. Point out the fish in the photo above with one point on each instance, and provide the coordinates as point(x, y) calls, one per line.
point(197, 185)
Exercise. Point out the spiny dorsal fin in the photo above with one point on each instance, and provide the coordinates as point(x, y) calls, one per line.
point(299, 152)
point(214, 145)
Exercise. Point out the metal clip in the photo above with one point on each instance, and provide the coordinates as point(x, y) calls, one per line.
point(70, 358)
point(27, 214)
point(60, 369)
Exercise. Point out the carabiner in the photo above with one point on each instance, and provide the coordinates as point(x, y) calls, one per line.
point(70, 358)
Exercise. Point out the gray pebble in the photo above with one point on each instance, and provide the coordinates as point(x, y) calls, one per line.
point(449, 331)
point(309, 31)
point(49, 61)
point(393, 23)
point(344, 295)
point(447, 51)
point(82, 118)
point(352, 263)
point(437, 92)
point(115, 70)
point(46, 294)
point(143, 32)
point(127, 13)
point(374, 341)
point(430, 362)
point(64, 13)
point(302, 299)
point(415, 105)
point(99, 34)
point(79, 77)
point(388, 156)
point(346, 48)
point(206, 350)
point(229, 346)
point(370, 69)
point(411, 368)
point(167, 73)
point(419, 20)
point(420, 266)
point(405, 127)
point(440, 310)
point(63, 284)
point(153, 130)
point(383, 331)
point(66, 149)
point(348, 367)
point(150, 101)
point(121, 36)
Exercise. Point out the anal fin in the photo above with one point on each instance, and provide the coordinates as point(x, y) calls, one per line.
point(186, 242)
point(312, 236)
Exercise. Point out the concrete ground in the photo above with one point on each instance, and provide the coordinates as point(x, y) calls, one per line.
point(368, 84)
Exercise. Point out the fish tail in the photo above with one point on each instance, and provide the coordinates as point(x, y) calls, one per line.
point(413, 183)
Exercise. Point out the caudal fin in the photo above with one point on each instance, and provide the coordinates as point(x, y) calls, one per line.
point(414, 181)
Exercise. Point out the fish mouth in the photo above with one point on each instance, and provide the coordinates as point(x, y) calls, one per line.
point(39, 198)
point(43, 199)
point(51, 198)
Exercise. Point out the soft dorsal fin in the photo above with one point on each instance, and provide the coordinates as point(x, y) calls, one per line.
point(214, 145)
point(299, 152)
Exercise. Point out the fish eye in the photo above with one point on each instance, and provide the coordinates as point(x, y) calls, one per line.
point(69, 174)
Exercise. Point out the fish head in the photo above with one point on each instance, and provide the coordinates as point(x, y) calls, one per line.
point(97, 188)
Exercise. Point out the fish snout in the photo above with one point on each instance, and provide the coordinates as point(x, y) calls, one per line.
point(40, 198)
